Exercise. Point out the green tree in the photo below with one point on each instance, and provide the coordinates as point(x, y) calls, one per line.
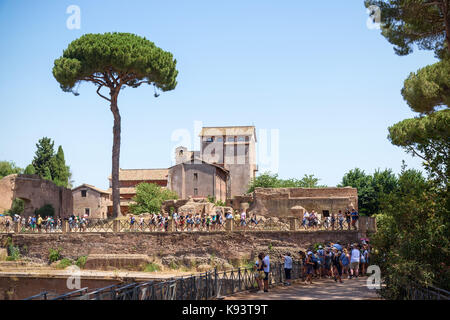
point(429, 139)
point(115, 61)
point(358, 179)
point(8, 167)
point(425, 23)
point(60, 171)
point(30, 169)
point(45, 211)
point(269, 180)
point(149, 198)
point(18, 206)
point(412, 240)
point(42, 161)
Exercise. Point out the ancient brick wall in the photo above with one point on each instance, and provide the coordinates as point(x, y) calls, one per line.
point(227, 246)
point(35, 192)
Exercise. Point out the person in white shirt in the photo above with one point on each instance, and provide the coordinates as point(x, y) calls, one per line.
point(266, 271)
point(243, 217)
point(287, 268)
point(355, 258)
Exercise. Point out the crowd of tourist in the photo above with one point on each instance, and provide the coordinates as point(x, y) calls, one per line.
point(333, 261)
point(339, 221)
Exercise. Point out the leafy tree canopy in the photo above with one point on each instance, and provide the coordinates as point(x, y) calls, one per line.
point(29, 170)
point(8, 167)
point(149, 198)
point(406, 23)
point(371, 188)
point(428, 88)
point(269, 180)
point(135, 60)
point(411, 243)
point(428, 138)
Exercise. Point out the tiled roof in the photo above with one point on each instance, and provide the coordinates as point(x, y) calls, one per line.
point(85, 185)
point(142, 174)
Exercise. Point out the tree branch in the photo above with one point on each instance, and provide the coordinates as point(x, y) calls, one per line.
point(98, 92)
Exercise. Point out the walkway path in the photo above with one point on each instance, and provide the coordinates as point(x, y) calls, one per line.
point(327, 289)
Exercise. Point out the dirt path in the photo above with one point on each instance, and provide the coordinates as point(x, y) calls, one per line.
point(354, 289)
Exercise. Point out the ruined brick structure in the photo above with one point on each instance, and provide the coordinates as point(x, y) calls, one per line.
point(35, 192)
point(91, 201)
point(278, 202)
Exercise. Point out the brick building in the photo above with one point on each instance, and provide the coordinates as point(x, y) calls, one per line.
point(91, 201)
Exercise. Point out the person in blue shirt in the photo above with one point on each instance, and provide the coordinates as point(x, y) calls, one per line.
point(345, 262)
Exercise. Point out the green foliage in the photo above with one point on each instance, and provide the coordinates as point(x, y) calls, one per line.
point(428, 88)
point(17, 207)
point(64, 263)
point(29, 169)
point(371, 188)
point(45, 211)
point(8, 167)
point(134, 58)
point(428, 138)
point(54, 254)
point(60, 171)
point(412, 240)
point(152, 267)
point(81, 261)
point(269, 180)
point(149, 198)
point(218, 203)
point(173, 265)
point(406, 23)
point(48, 165)
point(43, 157)
point(13, 253)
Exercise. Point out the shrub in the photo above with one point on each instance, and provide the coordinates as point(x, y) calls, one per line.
point(152, 267)
point(81, 261)
point(173, 265)
point(54, 255)
point(14, 253)
point(17, 207)
point(64, 263)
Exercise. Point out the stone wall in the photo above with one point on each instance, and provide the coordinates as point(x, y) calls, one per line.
point(35, 192)
point(279, 201)
point(179, 247)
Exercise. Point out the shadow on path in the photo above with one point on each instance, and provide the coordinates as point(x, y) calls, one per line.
point(327, 289)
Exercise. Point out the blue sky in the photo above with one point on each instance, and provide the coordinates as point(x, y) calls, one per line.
point(311, 70)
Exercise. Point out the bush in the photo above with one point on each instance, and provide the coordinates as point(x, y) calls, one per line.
point(17, 207)
point(54, 255)
point(173, 265)
point(64, 263)
point(45, 211)
point(152, 267)
point(14, 253)
point(81, 261)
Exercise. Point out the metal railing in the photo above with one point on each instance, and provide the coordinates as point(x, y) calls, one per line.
point(415, 291)
point(204, 286)
point(150, 225)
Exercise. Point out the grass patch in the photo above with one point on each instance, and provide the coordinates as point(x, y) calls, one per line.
point(152, 267)
point(64, 263)
point(14, 253)
point(173, 265)
point(81, 261)
point(54, 255)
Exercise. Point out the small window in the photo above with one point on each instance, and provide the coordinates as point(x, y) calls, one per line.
point(210, 139)
point(83, 193)
point(230, 139)
point(181, 152)
point(195, 176)
point(220, 139)
point(195, 191)
point(241, 138)
point(87, 211)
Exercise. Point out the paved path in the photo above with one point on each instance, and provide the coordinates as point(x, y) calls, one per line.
point(327, 289)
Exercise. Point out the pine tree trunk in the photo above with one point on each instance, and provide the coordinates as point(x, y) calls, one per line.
point(115, 157)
